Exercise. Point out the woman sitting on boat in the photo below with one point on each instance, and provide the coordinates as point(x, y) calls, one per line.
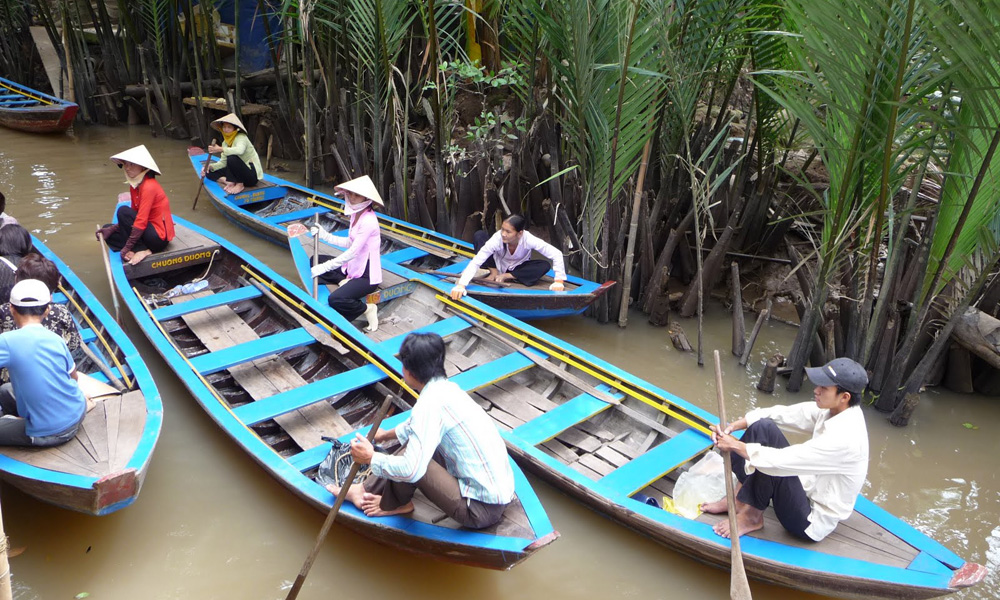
point(15, 244)
point(42, 405)
point(239, 165)
point(5, 219)
point(58, 319)
point(358, 269)
point(145, 225)
point(507, 255)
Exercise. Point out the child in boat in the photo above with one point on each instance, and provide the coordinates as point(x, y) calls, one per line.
point(145, 225)
point(239, 165)
point(358, 269)
point(42, 405)
point(58, 319)
point(452, 451)
point(507, 255)
point(813, 485)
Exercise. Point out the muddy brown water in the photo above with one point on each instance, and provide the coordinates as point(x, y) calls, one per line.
point(210, 523)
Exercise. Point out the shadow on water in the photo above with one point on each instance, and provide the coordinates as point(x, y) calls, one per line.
point(210, 524)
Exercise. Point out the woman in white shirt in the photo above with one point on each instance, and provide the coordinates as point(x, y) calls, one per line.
point(507, 255)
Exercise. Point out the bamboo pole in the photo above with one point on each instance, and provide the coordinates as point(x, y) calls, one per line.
point(5, 591)
point(633, 227)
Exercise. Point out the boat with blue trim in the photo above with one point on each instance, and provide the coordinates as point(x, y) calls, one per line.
point(268, 208)
point(283, 381)
point(26, 109)
point(613, 441)
point(102, 469)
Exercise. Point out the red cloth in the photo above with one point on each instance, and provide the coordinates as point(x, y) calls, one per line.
point(151, 205)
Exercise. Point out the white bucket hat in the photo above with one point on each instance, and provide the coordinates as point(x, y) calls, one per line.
point(363, 186)
point(232, 119)
point(138, 156)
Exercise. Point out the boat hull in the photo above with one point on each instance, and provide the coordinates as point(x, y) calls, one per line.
point(25, 109)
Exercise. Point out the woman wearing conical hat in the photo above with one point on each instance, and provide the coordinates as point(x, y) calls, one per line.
point(145, 225)
point(239, 164)
point(358, 269)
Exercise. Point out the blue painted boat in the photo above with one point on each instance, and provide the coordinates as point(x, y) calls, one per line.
point(281, 380)
point(102, 469)
point(29, 110)
point(613, 441)
point(268, 208)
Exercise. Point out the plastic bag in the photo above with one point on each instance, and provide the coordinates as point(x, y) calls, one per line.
point(337, 465)
point(701, 483)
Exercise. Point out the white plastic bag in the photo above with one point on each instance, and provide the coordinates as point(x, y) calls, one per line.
point(701, 483)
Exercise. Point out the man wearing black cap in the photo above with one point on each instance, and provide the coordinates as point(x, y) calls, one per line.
point(813, 485)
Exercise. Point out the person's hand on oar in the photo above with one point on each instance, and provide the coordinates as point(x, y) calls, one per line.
point(297, 229)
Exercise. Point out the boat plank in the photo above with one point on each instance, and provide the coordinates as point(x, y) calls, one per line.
point(504, 419)
point(560, 451)
point(131, 407)
point(510, 404)
point(526, 394)
point(575, 437)
point(612, 456)
point(596, 464)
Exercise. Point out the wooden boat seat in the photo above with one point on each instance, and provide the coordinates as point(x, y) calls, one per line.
point(188, 248)
point(559, 419)
point(444, 328)
point(488, 373)
point(297, 215)
point(264, 191)
point(639, 472)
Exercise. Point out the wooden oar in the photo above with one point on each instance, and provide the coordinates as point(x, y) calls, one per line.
point(739, 587)
point(479, 280)
point(208, 160)
point(332, 516)
point(111, 280)
point(315, 260)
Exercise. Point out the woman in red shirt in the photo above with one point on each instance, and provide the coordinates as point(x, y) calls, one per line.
point(144, 226)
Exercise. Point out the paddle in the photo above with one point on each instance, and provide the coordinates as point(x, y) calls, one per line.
point(739, 587)
point(111, 280)
point(480, 280)
point(332, 516)
point(316, 257)
point(208, 159)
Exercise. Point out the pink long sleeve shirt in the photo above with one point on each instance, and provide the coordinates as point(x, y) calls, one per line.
point(363, 245)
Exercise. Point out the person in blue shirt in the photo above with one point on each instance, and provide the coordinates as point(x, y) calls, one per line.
point(42, 405)
point(452, 451)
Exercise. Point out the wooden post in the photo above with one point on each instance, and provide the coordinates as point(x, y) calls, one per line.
point(678, 338)
point(5, 591)
point(901, 416)
point(739, 326)
point(763, 316)
point(770, 374)
point(633, 227)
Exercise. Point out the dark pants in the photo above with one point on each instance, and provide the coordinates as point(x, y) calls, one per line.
point(235, 171)
point(348, 299)
point(527, 273)
point(791, 505)
point(150, 240)
point(13, 428)
point(442, 489)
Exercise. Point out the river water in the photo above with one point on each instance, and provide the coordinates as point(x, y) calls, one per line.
point(211, 524)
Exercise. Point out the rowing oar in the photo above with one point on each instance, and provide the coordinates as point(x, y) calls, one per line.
point(316, 257)
point(111, 280)
point(739, 587)
point(480, 280)
point(332, 516)
point(208, 159)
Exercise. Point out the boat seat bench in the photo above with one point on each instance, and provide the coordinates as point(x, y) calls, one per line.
point(405, 254)
point(493, 371)
point(188, 248)
point(210, 301)
point(444, 328)
point(642, 470)
point(552, 423)
point(220, 360)
point(296, 215)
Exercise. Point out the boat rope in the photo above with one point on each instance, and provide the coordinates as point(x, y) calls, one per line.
point(98, 333)
point(24, 93)
point(209, 268)
point(333, 330)
point(629, 389)
point(404, 231)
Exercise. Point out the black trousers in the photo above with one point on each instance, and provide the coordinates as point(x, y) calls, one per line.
point(235, 171)
point(348, 299)
point(791, 505)
point(527, 273)
point(150, 240)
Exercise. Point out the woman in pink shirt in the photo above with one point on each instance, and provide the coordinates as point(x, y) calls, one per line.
point(507, 255)
point(358, 269)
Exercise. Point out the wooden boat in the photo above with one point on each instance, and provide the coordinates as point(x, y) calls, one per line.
point(30, 110)
point(612, 440)
point(268, 208)
point(102, 469)
point(282, 381)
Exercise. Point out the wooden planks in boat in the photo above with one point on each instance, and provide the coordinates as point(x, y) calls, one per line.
point(188, 248)
point(219, 328)
point(104, 444)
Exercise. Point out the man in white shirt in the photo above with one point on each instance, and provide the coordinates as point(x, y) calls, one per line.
point(813, 485)
point(452, 450)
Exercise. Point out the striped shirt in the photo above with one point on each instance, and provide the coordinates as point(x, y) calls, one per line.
point(446, 419)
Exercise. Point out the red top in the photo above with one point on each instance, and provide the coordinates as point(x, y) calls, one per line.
point(151, 205)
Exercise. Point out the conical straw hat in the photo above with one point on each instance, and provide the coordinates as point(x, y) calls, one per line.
point(364, 186)
point(230, 118)
point(139, 156)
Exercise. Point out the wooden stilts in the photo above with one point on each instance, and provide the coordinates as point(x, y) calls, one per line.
point(770, 374)
point(739, 325)
point(678, 338)
point(763, 316)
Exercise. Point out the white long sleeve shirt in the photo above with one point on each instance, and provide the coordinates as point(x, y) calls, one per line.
point(506, 260)
point(832, 466)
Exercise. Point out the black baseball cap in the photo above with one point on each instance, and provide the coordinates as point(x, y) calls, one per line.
point(842, 372)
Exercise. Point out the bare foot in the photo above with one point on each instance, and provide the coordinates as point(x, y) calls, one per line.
point(138, 256)
point(370, 504)
point(354, 493)
point(234, 188)
point(719, 507)
point(747, 519)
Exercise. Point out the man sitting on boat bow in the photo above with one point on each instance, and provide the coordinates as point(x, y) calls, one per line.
point(813, 484)
point(452, 451)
